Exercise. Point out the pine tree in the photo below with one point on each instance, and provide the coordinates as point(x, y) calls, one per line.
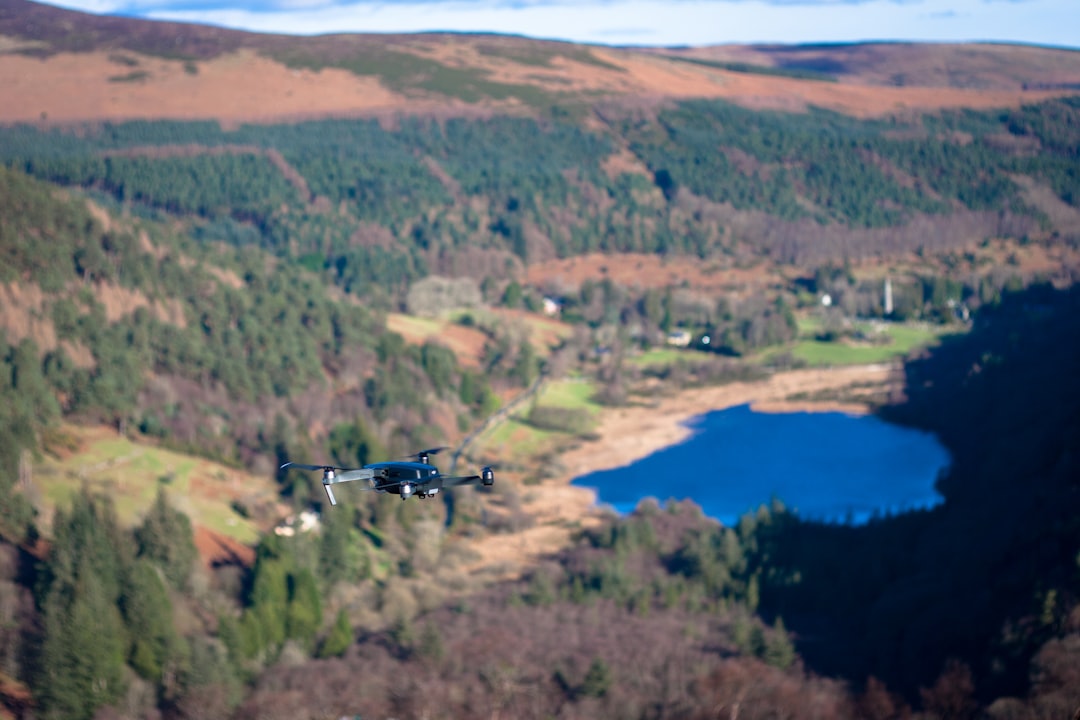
point(88, 541)
point(526, 365)
point(264, 624)
point(304, 616)
point(165, 537)
point(147, 613)
point(779, 650)
point(82, 655)
point(339, 639)
point(430, 644)
point(30, 384)
point(597, 679)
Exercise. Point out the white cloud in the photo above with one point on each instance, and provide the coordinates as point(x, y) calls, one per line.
point(637, 22)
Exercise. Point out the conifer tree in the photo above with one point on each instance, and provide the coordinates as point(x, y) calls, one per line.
point(165, 538)
point(340, 555)
point(31, 388)
point(339, 638)
point(779, 650)
point(430, 644)
point(82, 655)
point(88, 541)
point(597, 679)
point(304, 615)
point(147, 613)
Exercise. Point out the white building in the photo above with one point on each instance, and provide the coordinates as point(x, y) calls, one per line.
point(679, 338)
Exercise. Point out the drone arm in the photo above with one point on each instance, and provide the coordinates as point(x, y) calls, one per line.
point(486, 478)
point(330, 478)
point(460, 480)
point(349, 476)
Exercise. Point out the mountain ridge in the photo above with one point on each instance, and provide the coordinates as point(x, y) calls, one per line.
point(64, 66)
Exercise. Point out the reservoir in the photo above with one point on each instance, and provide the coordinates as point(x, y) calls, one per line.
point(826, 466)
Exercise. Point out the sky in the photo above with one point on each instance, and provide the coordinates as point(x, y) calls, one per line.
point(638, 22)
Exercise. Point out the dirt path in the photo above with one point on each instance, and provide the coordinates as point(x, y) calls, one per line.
point(625, 435)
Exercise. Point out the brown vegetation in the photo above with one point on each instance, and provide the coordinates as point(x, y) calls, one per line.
point(119, 302)
point(216, 549)
point(466, 342)
point(934, 65)
point(624, 435)
point(649, 272)
point(49, 75)
point(491, 656)
point(75, 87)
point(21, 315)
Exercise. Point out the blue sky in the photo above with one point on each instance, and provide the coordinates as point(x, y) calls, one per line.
point(639, 22)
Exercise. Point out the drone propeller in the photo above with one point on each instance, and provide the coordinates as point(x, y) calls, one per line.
point(423, 455)
point(302, 466)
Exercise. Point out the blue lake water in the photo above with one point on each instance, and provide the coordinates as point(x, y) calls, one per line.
point(826, 466)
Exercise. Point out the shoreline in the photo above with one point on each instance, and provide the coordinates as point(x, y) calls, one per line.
point(628, 434)
point(625, 435)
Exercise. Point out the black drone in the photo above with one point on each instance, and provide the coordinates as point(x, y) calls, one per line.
point(402, 478)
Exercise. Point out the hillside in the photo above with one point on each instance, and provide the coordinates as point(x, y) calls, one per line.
point(60, 66)
point(222, 250)
point(972, 66)
point(205, 347)
point(387, 158)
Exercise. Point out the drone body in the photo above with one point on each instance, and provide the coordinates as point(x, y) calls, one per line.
point(402, 478)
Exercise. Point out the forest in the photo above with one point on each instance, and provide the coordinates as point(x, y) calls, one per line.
point(805, 188)
point(965, 609)
point(225, 292)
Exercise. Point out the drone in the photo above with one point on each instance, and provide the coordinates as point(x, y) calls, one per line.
point(405, 478)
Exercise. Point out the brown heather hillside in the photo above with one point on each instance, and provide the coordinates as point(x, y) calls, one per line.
point(976, 66)
point(60, 66)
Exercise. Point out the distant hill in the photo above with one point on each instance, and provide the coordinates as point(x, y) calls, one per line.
point(357, 165)
point(376, 160)
point(218, 243)
point(60, 66)
point(972, 66)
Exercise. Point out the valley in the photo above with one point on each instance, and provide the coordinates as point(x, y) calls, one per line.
point(223, 251)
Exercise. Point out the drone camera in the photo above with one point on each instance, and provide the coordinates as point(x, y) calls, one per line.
point(487, 476)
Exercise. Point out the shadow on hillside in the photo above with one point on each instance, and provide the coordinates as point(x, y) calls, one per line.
point(985, 577)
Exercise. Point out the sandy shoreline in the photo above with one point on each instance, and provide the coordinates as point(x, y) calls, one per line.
point(628, 434)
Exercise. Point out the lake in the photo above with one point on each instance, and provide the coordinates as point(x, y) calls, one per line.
point(826, 466)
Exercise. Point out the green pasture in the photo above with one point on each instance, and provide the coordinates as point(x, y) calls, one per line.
point(660, 356)
point(905, 339)
point(414, 325)
point(515, 437)
point(130, 474)
point(574, 392)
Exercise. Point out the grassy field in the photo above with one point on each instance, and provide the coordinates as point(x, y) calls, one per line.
point(468, 342)
point(414, 325)
point(904, 339)
point(572, 393)
point(131, 473)
point(517, 439)
point(659, 356)
point(544, 332)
